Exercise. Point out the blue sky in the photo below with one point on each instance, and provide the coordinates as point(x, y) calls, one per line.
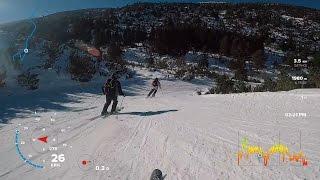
point(11, 10)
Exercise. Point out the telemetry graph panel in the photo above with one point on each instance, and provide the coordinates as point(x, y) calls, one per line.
point(271, 150)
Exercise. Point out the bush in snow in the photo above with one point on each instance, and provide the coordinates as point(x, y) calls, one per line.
point(285, 83)
point(179, 73)
point(52, 51)
point(119, 68)
point(314, 76)
point(240, 87)
point(162, 64)
point(28, 80)
point(180, 62)
point(188, 76)
point(267, 85)
point(259, 59)
point(185, 74)
point(223, 85)
point(115, 53)
point(150, 62)
point(240, 72)
point(203, 62)
point(81, 68)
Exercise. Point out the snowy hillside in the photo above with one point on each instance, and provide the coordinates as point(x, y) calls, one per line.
point(185, 135)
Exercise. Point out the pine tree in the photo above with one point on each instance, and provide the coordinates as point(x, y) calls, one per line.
point(259, 59)
point(225, 45)
point(115, 53)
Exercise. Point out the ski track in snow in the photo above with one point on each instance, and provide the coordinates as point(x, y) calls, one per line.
point(187, 137)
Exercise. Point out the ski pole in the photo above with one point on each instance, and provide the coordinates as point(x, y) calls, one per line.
point(98, 97)
point(121, 103)
point(120, 107)
point(161, 91)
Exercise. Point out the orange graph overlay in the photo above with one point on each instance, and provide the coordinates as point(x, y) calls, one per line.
point(279, 149)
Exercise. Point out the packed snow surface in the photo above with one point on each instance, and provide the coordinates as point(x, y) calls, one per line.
point(185, 135)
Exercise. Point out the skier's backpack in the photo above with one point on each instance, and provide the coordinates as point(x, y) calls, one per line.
point(109, 87)
point(155, 83)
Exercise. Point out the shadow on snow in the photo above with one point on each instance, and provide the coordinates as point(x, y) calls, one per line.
point(148, 113)
point(22, 105)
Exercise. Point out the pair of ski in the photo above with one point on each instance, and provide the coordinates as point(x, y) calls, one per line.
point(104, 115)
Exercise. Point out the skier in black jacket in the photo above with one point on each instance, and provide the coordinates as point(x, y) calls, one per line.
point(112, 89)
point(155, 86)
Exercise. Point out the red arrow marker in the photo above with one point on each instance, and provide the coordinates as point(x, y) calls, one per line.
point(43, 139)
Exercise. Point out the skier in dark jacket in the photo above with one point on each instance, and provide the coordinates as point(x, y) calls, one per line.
point(112, 89)
point(155, 86)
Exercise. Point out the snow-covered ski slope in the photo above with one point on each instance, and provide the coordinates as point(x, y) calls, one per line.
point(185, 135)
